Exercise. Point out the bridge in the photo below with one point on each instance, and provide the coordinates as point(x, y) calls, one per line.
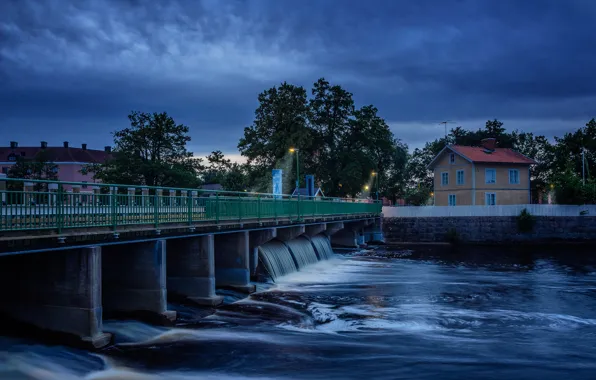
point(71, 252)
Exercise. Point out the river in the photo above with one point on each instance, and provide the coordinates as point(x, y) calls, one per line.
point(377, 315)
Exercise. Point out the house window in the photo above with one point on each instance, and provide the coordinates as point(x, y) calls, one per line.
point(460, 177)
point(514, 176)
point(452, 200)
point(490, 199)
point(452, 158)
point(490, 176)
point(444, 179)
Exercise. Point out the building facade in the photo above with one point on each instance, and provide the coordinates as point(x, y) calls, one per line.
point(485, 175)
point(70, 161)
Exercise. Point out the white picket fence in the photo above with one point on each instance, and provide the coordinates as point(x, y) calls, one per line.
point(509, 210)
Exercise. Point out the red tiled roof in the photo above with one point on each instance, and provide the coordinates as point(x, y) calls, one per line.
point(57, 154)
point(499, 155)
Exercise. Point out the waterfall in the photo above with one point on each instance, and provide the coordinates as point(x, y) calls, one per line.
point(322, 246)
point(277, 259)
point(303, 251)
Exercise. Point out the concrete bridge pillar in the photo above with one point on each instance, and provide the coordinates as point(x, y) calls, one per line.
point(232, 258)
point(191, 269)
point(134, 279)
point(351, 236)
point(374, 232)
point(290, 233)
point(333, 227)
point(315, 229)
point(58, 291)
point(256, 239)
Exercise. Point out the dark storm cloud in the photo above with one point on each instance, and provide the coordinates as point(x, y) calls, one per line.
point(71, 64)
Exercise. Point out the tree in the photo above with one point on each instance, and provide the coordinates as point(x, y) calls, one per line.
point(231, 175)
point(39, 167)
point(280, 123)
point(330, 110)
point(152, 151)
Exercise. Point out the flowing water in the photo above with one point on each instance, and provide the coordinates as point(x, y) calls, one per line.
point(377, 315)
point(322, 246)
point(303, 251)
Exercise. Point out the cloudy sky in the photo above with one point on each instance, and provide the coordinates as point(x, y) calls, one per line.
point(73, 69)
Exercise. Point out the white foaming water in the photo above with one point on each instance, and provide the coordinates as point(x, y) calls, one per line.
point(132, 331)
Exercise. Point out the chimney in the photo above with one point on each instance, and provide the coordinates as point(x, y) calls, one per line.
point(66, 144)
point(489, 144)
point(14, 144)
point(84, 146)
point(108, 149)
point(44, 145)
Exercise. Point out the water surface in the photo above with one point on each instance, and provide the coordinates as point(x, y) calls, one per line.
point(381, 315)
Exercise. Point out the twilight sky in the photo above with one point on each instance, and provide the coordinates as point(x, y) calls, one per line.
point(73, 69)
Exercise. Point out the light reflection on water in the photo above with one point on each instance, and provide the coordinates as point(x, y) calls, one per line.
point(380, 315)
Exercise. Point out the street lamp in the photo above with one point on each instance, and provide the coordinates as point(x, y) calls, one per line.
point(366, 187)
point(375, 174)
point(294, 150)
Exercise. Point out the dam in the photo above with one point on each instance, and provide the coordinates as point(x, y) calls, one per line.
point(69, 256)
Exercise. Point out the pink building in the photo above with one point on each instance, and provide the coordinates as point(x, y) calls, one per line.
point(69, 160)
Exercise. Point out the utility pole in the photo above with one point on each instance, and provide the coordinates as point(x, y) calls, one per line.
point(445, 125)
point(584, 165)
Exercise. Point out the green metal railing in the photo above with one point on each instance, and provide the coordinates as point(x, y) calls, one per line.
point(52, 205)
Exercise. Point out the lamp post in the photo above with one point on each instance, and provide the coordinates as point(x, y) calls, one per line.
point(294, 150)
point(375, 174)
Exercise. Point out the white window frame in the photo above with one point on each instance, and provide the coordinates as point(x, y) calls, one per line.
point(486, 195)
point(518, 178)
point(444, 184)
point(454, 200)
point(486, 176)
point(452, 158)
point(463, 177)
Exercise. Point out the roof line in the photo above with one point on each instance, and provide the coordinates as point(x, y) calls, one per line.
point(441, 152)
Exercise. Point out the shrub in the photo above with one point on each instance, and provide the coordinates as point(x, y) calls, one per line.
point(525, 221)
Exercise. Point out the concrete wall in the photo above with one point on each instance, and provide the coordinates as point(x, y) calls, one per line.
point(493, 229)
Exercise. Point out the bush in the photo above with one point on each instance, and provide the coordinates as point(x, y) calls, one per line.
point(525, 221)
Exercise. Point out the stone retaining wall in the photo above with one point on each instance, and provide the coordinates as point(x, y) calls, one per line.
point(487, 229)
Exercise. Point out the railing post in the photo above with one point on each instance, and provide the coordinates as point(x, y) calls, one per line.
point(239, 208)
point(298, 214)
point(114, 204)
point(259, 208)
point(59, 209)
point(216, 208)
point(156, 200)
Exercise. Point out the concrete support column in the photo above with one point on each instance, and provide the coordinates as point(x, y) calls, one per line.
point(27, 193)
point(333, 227)
point(58, 291)
point(232, 259)
point(131, 196)
point(315, 229)
point(113, 196)
point(374, 232)
point(191, 269)
point(290, 233)
point(183, 197)
point(159, 194)
point(172, 199)
point(194, 197)
point(52, 189)
point(2, 188)
point(346, 237)
point(95, 197)
point(134, 279)
point(76, 191)
point(145, 196)
point(256, 239)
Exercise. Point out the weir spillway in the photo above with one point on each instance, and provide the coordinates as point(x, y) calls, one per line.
point(70, 289)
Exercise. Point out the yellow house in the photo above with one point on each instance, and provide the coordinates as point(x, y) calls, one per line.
point(484, 175)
